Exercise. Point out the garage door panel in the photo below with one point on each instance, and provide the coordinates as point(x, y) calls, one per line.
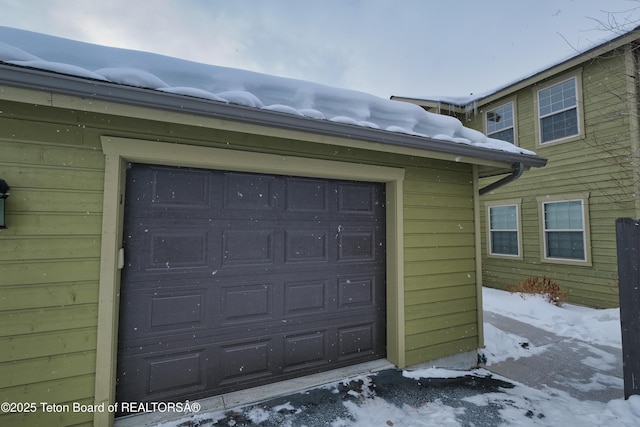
point(246, 361)
point(251, 191)
point(356, 198)
point(183, 189)
point(232, 303)
point(306, 350)
point(252, 279)
point(303, 298)
point(170, 189)
point(242, 247)
point(163, 249)
point(163, 374)
point(178, 311)
point(307, 195)
point(357, 245)
point(306, 245)
point(170, 373)
point(356, 292)
point(178, 250)
point(247, 303)
point(355, 340)
point(158, 313)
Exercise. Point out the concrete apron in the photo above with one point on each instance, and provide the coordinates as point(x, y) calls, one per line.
point(291, 388)
point(257, 394)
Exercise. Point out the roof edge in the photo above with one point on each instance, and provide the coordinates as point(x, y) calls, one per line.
point(559, 67)
point(35, 79)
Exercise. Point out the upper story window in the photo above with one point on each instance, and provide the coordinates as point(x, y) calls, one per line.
point(558, 111)
point(500, 123)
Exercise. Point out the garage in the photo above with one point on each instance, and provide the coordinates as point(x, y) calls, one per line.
point(233, 280)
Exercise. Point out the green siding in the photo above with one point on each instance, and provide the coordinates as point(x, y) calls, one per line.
point(49, 258)
point(50, 254)
point(63, 391)
point(598, 164)
point(440, 289)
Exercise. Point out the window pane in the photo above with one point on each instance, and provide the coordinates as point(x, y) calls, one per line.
point(503, 225)
point(569, 93)
point(559, 125)
point(504, 242)
point(563, 215)
point(565, 244)
point(500, 118)
point(504, 135)
point(503, 217)
point(557, 97)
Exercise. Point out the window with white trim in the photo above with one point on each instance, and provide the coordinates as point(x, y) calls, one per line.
point(500, 123)
point(504, 232)
point(564, 230)
point(558, 111)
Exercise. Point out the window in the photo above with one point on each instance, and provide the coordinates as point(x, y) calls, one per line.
point(500, 123)
point(504, 230)
point(558, 111)
point(565, 230)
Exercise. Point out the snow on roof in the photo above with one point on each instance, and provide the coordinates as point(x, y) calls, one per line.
point(465, 101)
point(221, 84)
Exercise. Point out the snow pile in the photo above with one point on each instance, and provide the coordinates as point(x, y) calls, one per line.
point(369, 414)
point(501, 346)
point(572, 321)
point(221, 84)
point(526, 406)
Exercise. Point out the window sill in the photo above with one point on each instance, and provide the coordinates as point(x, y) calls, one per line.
point(559, 141)
point(567, 261)
point(501, 256)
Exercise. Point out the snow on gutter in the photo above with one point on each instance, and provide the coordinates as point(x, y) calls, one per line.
point(29, 78)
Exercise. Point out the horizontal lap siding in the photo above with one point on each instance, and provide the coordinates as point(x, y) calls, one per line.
point(61, 391)
point(598, 165)
point(50, 254)
point(440, 291)
point(49, 266)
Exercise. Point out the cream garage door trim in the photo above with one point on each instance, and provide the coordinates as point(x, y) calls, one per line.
point(118, 151)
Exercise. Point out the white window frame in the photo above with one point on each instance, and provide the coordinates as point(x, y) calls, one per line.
point(584, 200)
point(577, 79)
point(503, 203)
point(513, 125)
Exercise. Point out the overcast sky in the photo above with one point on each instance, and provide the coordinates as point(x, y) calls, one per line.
point(383, 47)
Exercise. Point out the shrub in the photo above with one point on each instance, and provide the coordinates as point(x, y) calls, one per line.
point(536, 286)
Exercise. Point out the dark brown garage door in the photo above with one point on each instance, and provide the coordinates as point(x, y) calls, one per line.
point(233, 280)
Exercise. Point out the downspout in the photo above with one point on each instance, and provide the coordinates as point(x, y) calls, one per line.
point(478, 255)
point(517, 173)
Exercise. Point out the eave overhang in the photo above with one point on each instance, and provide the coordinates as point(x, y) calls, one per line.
point(492, 162)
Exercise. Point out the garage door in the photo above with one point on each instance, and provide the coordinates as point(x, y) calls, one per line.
point(233, 280)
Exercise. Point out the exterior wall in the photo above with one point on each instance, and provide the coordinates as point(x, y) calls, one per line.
point(440, 281)
point(49, 263)
point(50, 256)
point(597, 165)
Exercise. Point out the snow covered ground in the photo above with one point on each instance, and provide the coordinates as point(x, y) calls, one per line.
point(596, 326)
point(365, 406)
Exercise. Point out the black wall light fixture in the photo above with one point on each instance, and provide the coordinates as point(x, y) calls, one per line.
point(4, 193)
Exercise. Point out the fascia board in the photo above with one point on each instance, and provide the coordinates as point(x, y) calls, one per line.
point(47, 81)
